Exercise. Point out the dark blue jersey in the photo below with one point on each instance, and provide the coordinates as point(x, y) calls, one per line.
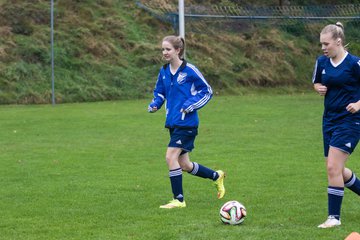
point(343, 85)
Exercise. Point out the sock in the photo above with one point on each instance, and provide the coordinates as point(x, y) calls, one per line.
point(353, 184)
point(335, 196)
point(176, 184)
point(204, 172)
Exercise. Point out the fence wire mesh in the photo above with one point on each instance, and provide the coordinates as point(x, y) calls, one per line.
point(296, 20)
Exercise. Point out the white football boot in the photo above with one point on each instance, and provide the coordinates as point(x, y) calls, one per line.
point(330, 222)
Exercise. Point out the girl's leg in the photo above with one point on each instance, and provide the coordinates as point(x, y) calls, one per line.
point(204, 172)
point(335, 166)
point(196, 169)
point(351, 181)
point(175, 174)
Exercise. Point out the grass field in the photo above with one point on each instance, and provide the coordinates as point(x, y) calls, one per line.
point(97, 171)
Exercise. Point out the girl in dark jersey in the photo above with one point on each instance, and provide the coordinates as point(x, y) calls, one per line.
point(337, 77)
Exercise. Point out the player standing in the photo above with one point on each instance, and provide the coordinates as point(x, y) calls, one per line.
point(186, 91)
point(337, 77)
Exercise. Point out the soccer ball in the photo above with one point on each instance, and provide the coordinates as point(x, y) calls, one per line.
point(232, 212)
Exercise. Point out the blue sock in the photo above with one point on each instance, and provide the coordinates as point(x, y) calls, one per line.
point(353, 184)
point(176, 183)
point(335, 196)
point(204, 172)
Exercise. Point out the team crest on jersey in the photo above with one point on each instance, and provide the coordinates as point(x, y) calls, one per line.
point(181, 78)
point(358, 62)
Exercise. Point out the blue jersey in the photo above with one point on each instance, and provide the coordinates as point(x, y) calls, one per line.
point(343, 85)
point(187, 89)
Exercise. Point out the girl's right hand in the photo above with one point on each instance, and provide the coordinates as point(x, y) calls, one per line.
point(321, 89)
point(152, 109)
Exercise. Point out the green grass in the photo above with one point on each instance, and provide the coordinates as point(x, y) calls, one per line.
point(97, 171)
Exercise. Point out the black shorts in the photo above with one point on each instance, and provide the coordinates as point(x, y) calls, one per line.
point(342, 135)
point(183, 138)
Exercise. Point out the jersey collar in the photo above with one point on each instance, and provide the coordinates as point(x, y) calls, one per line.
point(337, 64)
point(182, 66)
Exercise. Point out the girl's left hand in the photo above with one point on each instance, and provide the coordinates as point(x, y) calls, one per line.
point(353, 107)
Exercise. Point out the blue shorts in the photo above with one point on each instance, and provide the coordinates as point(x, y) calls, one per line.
point(343, 135)
point(183, 138)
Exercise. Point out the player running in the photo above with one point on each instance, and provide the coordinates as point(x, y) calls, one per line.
point(337, 77)
point(186, 91)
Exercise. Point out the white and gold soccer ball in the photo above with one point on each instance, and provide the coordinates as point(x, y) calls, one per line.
point(232, 212)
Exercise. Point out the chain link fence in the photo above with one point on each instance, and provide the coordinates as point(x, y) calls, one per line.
point(296, 20)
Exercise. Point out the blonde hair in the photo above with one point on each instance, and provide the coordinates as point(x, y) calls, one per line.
point(337, 31)
point(177, 42)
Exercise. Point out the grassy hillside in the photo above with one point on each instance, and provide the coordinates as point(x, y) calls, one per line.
point(100, 47)
point(108, 49)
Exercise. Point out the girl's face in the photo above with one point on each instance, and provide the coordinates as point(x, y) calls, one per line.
point(329, 46)
point(169, 52)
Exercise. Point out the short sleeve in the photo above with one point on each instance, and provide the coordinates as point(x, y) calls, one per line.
point(357, 69)
point(316, 78)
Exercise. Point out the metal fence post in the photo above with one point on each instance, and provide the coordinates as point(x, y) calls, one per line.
point(52, 55)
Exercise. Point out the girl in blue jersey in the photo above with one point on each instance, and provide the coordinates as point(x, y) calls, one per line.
point(185, 91)
point(337, 77)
